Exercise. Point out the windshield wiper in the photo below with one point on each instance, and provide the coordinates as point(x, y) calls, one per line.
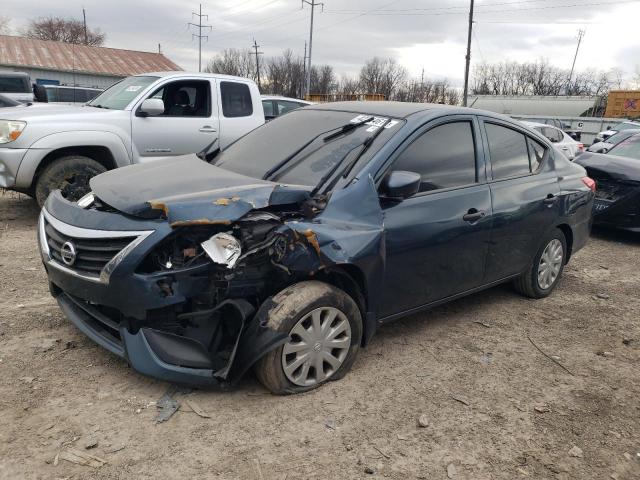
point(98, 106)
point(347, 169)
point(341, 130)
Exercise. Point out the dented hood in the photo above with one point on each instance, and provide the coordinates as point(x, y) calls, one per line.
point(621, 168)
point(187, 190)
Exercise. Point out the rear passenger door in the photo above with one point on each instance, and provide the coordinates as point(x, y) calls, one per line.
point(524, 194)
point(437, 240)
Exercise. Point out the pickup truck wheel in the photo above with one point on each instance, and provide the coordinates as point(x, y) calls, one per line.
point(324, 326)
point(70, 174)
point(543, 274)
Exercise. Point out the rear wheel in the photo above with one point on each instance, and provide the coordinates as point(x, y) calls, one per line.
point(543, 274)
point(70, 174)
point(324, 326)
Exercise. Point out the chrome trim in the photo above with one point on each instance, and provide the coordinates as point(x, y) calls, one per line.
point(77, 232)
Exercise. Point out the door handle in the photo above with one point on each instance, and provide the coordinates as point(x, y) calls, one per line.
point(473, 215)
point(207, 129)
point(551, 199)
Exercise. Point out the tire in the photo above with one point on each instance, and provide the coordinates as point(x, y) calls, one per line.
point(292, 309)
point(71, 174)
point(529, 284)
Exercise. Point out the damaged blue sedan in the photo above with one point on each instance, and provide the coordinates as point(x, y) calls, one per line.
point(284, 252)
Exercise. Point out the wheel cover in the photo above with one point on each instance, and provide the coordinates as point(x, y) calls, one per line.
point(550, 264)
point(318, 346)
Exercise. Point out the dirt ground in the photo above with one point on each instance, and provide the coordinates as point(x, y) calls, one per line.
point(495, 406)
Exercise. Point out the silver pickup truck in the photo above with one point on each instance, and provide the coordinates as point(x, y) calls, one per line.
point(139, 119)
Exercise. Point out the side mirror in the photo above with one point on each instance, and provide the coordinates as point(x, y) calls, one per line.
point(151, 107)
point(399, 184)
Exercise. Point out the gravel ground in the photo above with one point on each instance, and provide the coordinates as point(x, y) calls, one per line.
point(492, 405)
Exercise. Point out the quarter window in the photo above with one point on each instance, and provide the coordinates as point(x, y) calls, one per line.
point(236, 99)
point(536, 154)
point(509, 154)
point(444, 157)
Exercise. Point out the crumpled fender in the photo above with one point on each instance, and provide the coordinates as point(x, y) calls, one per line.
point(337, 236)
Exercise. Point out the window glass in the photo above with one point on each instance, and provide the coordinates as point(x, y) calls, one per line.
point(236, 99)
point(91, 94)
point(628, 148)
point(52, 94)
point(121, 94)
point(187, 98)
point(267, 106)
point(285, 106)
point(508, 148)
point(536, 154)
point(66, 95)
point(552, 134)
point(444, 157)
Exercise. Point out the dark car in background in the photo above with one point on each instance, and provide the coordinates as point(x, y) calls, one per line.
point(606, 145)
point(617, 175)
point(290, 248)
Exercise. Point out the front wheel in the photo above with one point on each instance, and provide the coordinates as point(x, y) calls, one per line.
point(543, 274)
point(70, 174)
point(324, 326)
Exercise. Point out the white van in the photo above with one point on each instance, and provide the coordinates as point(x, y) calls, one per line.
point(67, 95)
point(16, 85)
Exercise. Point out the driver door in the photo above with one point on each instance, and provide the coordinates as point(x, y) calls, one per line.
point(189, 124)
point(437, 240)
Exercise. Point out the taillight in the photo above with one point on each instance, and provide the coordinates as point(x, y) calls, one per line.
point(589, 182)
point(581, 147)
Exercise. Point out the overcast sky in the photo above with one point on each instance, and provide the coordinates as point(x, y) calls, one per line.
point(429, 34)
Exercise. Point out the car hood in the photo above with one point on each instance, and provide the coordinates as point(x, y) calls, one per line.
point(188, 191)
point(51, 112)
point(611, 166)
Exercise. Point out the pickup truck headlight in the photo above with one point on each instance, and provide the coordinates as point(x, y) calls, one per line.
point(10, 130)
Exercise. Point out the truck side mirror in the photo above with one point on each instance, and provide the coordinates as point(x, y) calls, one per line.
point(399, 185)
point(151, 107)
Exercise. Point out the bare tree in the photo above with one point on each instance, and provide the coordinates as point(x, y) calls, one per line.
point(5, 25)
point(323, 79)
point(66, 30)
point(382, 76)
point(233, 61)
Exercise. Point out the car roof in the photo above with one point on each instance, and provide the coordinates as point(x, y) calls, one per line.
point(14, 74)
point(538, 124)
point(181, 73)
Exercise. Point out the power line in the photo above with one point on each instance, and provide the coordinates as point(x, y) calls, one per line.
point(257, 54)
point(313, 4)
point(199, 35)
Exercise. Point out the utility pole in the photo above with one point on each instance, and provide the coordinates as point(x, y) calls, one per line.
point(468, 57)
point(84, 22)
point(159, 49)
point(199, 35)
point(304, 69)
point(313, 4)
point(257, 54)
point(580, 35)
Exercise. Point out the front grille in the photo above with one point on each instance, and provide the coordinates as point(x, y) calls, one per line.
point(92, 254)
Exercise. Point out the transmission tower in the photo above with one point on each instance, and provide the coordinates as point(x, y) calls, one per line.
point(199, 35)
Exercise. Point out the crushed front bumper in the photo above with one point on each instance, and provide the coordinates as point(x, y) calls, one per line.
point(119, 311)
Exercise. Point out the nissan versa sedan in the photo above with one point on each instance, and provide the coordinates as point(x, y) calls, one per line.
point(286, 251)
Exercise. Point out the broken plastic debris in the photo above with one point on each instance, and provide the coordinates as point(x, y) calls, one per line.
point(223, 248)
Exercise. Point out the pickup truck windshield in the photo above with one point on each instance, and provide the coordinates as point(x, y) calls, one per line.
point(311, 141)
point(119, 95)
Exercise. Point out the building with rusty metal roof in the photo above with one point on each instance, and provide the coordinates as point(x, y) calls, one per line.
point(58, 63)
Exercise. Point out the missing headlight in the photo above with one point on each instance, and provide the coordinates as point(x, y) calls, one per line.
point(223, 248)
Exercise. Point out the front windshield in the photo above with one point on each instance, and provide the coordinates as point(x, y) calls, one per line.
point(265, 148)
point(118, 96)
point(628, 148)
point(624, 126)
point(620, 136)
